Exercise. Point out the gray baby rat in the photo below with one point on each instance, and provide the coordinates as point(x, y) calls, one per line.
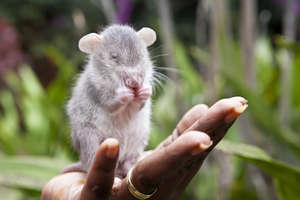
point(111, 98)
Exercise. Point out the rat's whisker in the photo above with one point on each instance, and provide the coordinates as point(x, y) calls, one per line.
point(157, 84)
point(159, 55)
point(170, 69)
point(160, 76)
point(152, 49)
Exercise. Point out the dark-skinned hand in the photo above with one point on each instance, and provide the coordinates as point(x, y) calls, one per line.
point(168, 168)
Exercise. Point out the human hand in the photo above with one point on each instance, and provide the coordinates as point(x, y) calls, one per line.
point(168, 168)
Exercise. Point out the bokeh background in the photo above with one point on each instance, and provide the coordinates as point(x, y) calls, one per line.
point(206, 50)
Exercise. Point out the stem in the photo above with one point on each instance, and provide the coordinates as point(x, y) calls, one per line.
point(248, 39)
point(109, 10)
point(166, 25)
point(289, 24)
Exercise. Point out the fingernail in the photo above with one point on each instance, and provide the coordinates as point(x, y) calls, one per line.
point(206, 146)
point(241, 109)
point(112, 148)
point(237, 111)
point(201, 147)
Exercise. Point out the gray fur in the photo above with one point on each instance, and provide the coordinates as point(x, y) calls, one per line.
point(95, 111)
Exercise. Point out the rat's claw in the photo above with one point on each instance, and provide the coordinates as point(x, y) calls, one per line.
point(144, 93)
point(124, 96)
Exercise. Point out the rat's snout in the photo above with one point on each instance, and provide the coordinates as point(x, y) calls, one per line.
point(131, 83)
point(136, 87)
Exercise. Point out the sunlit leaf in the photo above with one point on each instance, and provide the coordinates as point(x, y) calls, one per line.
point(25, 172)
point(59, 89)
point(31, 84)
point(192, 83)
point(9, 124)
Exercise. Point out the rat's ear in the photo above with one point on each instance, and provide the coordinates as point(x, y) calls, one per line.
point(89, 42)
point(147, 35)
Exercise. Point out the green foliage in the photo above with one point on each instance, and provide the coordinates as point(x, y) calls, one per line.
point(191, 81)
point(33, 122)
point(42, 109)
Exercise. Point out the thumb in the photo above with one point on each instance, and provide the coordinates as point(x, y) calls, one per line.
point(101, 175)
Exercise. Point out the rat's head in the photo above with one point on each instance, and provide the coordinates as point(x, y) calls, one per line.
point(119, 56)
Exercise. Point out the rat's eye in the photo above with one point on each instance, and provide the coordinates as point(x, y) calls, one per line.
point(114, 56)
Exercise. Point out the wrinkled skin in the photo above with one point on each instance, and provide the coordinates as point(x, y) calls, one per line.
point(169, 167)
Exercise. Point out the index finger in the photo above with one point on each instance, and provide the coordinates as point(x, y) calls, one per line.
point(101, 175)
point(186, 121)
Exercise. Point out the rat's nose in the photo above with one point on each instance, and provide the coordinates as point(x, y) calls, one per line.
point(132, 84)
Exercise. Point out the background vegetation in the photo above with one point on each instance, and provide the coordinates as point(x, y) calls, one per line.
point(209, 49)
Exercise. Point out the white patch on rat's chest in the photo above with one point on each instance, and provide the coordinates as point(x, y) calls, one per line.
point(132, 132)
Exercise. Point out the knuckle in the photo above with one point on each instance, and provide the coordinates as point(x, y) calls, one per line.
point(144, 182)
point(183, 125)
point(200, 107)
point(223, 102)
point(99, 189)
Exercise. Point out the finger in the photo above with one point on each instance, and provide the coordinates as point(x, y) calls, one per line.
point(191, 117)
point(101, 175)
point(223, 112)
point(149, 172)
point(187, 120)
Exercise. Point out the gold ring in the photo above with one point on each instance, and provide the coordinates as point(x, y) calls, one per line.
point(137, 194)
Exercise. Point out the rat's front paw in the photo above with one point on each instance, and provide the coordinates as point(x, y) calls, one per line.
point(124, 96)
point(144, 93)
point(132, 99)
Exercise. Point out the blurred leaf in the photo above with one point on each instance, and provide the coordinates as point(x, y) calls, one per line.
point(30, 173)
point(164, 113)
point(285, 192)
point(295, 82)
point(10, 194)
point(242, 186)
point(208, 191)
point(9, 124)
point(201, 55)
point(243, 150)
point(31, 84)
point(267, 82)
point(192, 83)
point(288, 44)
point(10, 119)
point(44, 122)
point(295, 73)
point(33, 107)
point(157, 135)
point(288, 177)
point(60, 87)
